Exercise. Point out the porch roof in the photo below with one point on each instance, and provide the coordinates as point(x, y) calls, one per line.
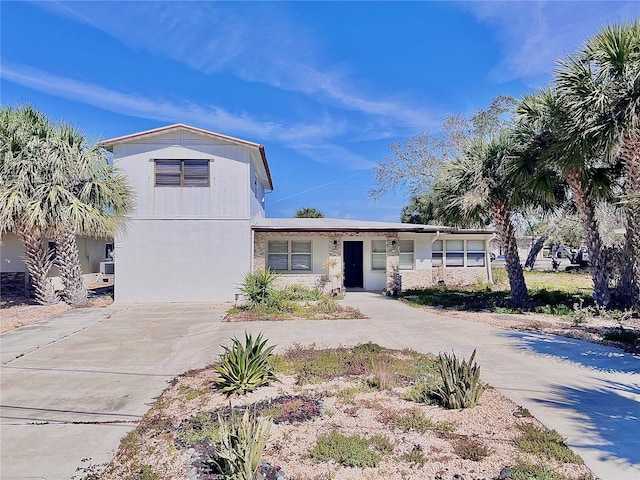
point(346, 225)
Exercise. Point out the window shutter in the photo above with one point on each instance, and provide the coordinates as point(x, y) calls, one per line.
point(168, 173)
point(196, 173)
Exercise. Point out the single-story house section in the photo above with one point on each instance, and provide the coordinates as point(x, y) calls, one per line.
point(390, 257)
point(95, 256)
point(199, 226)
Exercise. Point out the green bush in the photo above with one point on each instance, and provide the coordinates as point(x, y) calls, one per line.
point(299, 293)
point(461, 385)
point(244, 368)
point(257, 286)
point(547, 444)
point(242, 440)
point(350, 451)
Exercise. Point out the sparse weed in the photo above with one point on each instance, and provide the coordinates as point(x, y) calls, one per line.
point(470, 449)
point(350, 451)
point(546, 444)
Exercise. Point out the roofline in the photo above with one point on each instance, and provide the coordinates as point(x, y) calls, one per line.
point(108, 144)
point(283, 229)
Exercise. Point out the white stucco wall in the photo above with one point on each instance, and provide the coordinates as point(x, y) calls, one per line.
point(186, 244)
point(161, 260)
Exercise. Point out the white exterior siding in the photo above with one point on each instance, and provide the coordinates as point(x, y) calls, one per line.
point(228, 195)
point(182, 260)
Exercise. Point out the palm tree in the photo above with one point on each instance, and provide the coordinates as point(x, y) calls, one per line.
point(24, 134)
point(60, 189)
point(309, 212)
point(600, 88)
point(547, 130)
point(81, 194)
point(476, 189)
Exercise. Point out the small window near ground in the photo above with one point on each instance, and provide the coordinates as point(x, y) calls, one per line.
point(436, 253)
point(378, 254)
point(182, 173)
point(406, 254)
point(284, 256)
point(475, 253)
point(455, 253)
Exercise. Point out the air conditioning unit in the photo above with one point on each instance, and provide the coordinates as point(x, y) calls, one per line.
point(107, 268)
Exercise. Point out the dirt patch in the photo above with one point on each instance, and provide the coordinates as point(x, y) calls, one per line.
point(342, 312)
point(471, 444)
point(17, 311)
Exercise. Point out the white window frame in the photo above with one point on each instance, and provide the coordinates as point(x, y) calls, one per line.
point(476, 253)
point(411, 253)
point(378, 255)
point(460, 254)
point(290, 255)
point(437, 256)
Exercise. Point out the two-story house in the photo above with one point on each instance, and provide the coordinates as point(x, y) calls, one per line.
point(199, 226)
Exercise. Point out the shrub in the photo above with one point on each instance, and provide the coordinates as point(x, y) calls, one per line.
point(350, 451)
point(544, 443)
point(461, 385)
point(257, 286)
point(244, 368)
point(412, 419)
point(470, 449)
point(239, 450)
point(201, 429)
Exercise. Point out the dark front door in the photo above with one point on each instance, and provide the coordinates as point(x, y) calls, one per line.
point(353, 271)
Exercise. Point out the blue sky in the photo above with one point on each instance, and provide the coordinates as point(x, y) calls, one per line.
point(324, 86)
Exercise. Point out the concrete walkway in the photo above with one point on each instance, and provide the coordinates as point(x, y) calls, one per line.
point(71, 387)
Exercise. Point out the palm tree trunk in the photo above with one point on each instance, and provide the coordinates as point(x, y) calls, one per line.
point(38, 262)
point(75, 293)
point(502, 216)
point(629, 286)
point(587, 212)
point(536, 247)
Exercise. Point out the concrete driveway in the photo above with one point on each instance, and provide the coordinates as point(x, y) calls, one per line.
point(71, 387)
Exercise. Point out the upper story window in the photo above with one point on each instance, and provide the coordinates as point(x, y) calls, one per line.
point(182, 173)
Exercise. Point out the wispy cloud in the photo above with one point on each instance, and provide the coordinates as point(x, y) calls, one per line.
point(311, 140)
point(255, 42)
point(535, 34)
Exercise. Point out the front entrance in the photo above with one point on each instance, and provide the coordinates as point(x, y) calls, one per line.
point(353, 267)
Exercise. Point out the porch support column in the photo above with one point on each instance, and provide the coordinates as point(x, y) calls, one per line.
point(259, 254)
point(334, 265)
point(393, 264)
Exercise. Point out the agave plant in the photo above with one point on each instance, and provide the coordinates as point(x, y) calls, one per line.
point(461, 387)
point(242, 440)
point(258, 286)
point(245, 367)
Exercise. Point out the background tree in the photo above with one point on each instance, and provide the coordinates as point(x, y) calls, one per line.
point(546, 130)
point(599, 87)
point(308, 212)
point(475, 189)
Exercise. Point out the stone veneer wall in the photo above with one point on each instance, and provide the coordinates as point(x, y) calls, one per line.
point(332, 279)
